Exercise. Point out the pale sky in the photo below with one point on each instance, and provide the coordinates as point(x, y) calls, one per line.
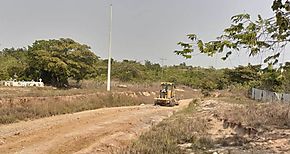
point(142, 29)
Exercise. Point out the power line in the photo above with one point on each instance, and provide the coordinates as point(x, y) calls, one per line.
point(162, 61)
point(162, 65)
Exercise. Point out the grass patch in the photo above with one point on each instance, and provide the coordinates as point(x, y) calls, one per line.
point(14, 92)
point(50, 106)
point(260, 115)
point(254, 113)
point(167, 136)
point(18, 103)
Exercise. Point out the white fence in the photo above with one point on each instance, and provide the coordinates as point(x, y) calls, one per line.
point(268, 96)
point(22, 84)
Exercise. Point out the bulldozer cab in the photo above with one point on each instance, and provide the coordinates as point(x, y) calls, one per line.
point(167, 90)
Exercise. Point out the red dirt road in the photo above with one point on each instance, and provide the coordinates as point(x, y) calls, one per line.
point(97, 131)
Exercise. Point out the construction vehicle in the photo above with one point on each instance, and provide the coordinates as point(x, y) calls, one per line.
point(167, 95)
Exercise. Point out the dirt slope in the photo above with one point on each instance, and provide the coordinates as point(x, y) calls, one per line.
point(97, 131)
point(239, 139)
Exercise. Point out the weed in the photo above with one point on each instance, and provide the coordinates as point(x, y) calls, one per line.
point(167, 136)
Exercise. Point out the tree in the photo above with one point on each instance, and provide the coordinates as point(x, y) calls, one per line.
point(128, 70)
point(244, 75)
point(55, 61)
point(13, 62)
point(152, 66)
point(271, 34)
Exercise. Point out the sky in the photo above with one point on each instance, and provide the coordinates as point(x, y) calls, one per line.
point(142, 29)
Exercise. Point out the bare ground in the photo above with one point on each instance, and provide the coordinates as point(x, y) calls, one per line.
point(229, 137)
point(97, 131)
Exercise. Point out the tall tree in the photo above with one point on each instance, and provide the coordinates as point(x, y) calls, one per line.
point(55, 61)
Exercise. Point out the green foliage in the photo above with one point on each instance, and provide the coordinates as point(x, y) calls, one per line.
point(128, 70)
point(258, 35)
point(272, 82)
point(243, 74)
point(13, 63)
point(57, 60)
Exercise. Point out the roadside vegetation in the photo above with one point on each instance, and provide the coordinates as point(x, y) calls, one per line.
point(19, 109)
point(188, 131)
point(75, 70)
point(20, 104)
point(253, 113)
point(57, 62)
point(64, 60)
point(168, 135)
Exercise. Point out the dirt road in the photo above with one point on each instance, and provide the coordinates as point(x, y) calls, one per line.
point(97, 131)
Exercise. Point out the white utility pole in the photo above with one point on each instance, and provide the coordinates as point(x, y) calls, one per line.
point(110, 50)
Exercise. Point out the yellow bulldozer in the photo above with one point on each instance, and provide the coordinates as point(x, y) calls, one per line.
point(167, 95)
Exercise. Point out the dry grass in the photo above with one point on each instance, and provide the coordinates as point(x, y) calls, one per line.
point(49, 106)
point(190, 127)
point(254, 113)
point(167, 136)
point(86, 87)
point(261, 115)
point(13, 92)
point(18, 104)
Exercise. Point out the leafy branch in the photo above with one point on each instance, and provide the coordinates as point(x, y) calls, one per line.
point(257, 36)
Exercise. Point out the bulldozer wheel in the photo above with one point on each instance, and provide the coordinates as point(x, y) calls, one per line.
point(155, 103)
point(171, 104)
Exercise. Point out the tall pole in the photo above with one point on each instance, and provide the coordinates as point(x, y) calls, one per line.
point(110, 50)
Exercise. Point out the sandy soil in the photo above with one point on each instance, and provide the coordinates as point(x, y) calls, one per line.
point(239, 140)
point(97, 131)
